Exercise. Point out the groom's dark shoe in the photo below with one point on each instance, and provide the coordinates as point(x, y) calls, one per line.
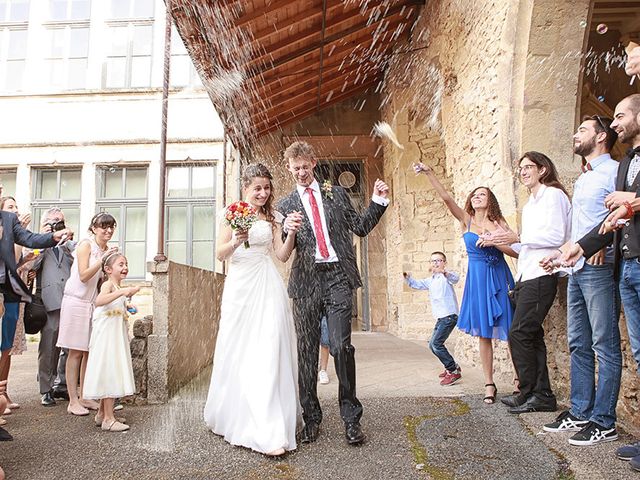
point(353, 432)
point(309, 432)
point(513, 400)
point(536, 404)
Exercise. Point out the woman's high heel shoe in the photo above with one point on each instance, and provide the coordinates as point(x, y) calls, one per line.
point(490, 399)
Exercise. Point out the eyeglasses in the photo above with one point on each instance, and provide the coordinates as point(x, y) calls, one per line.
point(526, 168)
point(437, 260)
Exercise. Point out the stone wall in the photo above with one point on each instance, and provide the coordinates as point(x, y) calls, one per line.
point(447, 101)
point(186, 302)
point(477, 85)
point(142, 328)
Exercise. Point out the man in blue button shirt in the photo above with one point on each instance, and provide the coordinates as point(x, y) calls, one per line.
point(593, 302)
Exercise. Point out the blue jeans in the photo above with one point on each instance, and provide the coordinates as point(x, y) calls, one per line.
point(630, 295)
point(324, 332)
point(444, 327)
point(592, 330)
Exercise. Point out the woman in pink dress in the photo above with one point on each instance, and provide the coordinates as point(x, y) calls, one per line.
point(77, 306)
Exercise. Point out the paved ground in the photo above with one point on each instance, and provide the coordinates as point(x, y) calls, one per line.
point(416, 430)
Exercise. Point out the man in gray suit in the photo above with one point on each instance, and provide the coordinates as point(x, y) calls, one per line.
point(53, 266)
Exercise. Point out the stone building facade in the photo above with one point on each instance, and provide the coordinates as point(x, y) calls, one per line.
point(480, 84)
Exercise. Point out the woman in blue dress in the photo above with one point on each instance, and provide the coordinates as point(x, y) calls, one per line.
point(486, 310)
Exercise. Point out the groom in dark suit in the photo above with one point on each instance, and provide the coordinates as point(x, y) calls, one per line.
point(323, 277)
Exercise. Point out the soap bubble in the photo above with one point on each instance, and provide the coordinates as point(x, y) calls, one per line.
point(602, 28)
point(600, 98)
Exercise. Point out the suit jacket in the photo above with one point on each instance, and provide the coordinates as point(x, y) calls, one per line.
point(12, 233)
point(626, 241)
point(342, 222)
point(53, 273)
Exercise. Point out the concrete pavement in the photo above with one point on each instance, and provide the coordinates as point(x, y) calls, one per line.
point(415, 429)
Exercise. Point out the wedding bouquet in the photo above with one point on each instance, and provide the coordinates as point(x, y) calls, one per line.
point(240, 216)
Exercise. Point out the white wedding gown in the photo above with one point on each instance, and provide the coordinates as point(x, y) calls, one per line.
point(253, 395)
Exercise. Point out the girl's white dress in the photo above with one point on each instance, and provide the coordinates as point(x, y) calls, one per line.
point(253, 395)
point(109, 371)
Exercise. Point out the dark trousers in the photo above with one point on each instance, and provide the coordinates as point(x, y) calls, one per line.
point(51, 364)
point(526, 336)
point(334, 298)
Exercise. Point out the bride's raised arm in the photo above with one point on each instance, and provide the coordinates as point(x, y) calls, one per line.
point(283, 248)
point(454, 208)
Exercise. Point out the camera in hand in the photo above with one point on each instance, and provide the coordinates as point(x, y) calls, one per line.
point(57, 226)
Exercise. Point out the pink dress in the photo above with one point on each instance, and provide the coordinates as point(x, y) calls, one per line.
point(78, 303)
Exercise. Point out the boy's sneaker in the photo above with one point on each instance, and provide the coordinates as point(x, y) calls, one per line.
point(593, 434)
point(635, 463)
point(629, 451)
point(565, 422)
point(323, 377)
point(444, 374)
point(451, 377)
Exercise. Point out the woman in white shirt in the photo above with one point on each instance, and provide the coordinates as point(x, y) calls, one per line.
point(546, 220)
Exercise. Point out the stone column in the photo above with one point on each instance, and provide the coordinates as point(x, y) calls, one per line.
point(158, 341)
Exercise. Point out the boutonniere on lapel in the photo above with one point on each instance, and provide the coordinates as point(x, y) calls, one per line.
point(327, 189)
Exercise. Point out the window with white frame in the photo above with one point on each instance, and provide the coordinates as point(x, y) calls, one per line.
point(14, 10)
point(68, 57)
point(14, 17)
point(69, 10)
point(122, 191)
point(130, 33)
point(125, 9)
point(183, 71)
point(62, 188)
point(67, 44)
point(8, 182)
point(190, 223)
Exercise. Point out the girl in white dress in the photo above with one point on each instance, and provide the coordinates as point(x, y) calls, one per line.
point(253, 395)
point(109, 371)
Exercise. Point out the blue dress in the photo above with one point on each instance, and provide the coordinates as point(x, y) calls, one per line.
point(486, 310)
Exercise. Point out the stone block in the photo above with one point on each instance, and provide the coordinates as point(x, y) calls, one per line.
point(138, 347)
point(157, 359)
point(143, 327)
point(140, 375)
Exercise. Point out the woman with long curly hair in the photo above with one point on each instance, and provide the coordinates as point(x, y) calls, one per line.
point(486, 310)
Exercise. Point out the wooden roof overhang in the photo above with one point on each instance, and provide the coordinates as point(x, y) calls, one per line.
point(268, 63)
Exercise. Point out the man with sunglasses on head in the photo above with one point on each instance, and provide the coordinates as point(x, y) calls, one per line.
point(593, 303)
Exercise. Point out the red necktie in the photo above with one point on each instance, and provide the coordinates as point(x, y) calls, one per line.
point(317, 224)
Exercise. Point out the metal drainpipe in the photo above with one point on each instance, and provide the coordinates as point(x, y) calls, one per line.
point(224, 179)
point(324, 27)
point(161, 257)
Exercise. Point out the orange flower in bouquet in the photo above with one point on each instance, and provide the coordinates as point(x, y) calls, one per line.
point(241, 216)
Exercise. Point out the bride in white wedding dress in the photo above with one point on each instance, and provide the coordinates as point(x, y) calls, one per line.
point(253, 395)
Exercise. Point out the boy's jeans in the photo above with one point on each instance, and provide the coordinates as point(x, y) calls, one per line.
point(444, 327)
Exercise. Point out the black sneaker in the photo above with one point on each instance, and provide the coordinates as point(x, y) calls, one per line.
point(4, 435)
point(593, 434)
point(565, 422)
